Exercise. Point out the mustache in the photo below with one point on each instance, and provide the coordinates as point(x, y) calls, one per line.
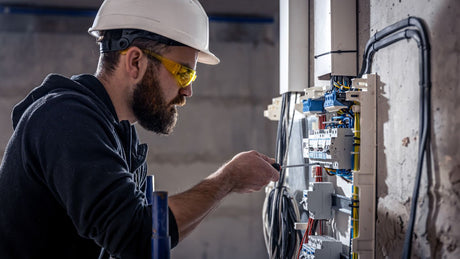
point(179, 101)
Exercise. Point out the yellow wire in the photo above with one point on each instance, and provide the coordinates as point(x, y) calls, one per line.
point(336, 85)
point(340, 85)
point(355, 195)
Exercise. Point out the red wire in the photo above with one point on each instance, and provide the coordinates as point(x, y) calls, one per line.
point(321, 119)
point(319, 174)
point(319, 178)
point(305, 237)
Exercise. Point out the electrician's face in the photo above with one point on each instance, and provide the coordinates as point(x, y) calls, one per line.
point(155, 98)
point(152, 111)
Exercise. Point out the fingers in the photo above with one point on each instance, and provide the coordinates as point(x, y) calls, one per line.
point(275, 176)
point(274, 170)
point(266, 158)
point(251, 171)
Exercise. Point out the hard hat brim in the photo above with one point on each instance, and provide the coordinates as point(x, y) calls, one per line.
point(208, 58)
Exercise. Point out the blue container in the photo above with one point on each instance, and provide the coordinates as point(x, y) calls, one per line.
point(161, 241)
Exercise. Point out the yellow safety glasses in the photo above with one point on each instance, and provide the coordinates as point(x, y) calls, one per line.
point(183, 75)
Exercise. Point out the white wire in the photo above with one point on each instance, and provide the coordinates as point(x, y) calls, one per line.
point(268, 226)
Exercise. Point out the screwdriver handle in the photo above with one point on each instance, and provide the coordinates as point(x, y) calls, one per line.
point(277, 166)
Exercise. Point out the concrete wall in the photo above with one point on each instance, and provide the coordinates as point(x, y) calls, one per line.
point(436, 232)
point(224, 117)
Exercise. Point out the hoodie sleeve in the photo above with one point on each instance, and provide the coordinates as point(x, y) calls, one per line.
point(75, 150)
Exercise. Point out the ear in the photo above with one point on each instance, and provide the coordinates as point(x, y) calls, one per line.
point(134, 64)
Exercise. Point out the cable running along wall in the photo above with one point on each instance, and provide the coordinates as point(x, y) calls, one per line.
point(389, 35)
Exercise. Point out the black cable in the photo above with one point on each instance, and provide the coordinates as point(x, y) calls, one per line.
point(278, 131)
point(410, 21)
point(376, 46)
point(380, 35)
point(419, 34)
point(281, 214)
point(274, 195)
point(335, 52)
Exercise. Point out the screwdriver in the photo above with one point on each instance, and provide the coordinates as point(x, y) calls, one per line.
point(278, 166)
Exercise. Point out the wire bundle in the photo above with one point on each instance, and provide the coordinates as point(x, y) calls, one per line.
point(341, 83)
point(280, 210)
point(346, 175)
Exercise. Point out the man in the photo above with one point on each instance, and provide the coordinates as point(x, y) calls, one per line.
point(72, 180)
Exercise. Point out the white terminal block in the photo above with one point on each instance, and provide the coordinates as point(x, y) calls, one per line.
point(315, 92)
point(318, 200)
point(322, 247)
point(332, 148)
point(273, 110)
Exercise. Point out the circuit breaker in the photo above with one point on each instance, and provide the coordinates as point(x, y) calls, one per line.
point(321, 247)
point(318, 200)
point(331, 148)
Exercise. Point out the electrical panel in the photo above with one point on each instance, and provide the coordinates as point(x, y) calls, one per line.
point(342, 160)
point(339, 199)
point(329, 199)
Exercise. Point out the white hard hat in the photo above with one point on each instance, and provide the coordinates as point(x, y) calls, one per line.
point(184, 21)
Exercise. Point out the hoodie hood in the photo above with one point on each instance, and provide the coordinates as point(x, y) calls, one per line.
point(54, 83)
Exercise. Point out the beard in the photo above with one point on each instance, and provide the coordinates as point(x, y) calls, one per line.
point(150, 107)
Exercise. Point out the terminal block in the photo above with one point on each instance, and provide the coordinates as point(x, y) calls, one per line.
point(334, 101)
point(318, 200)
point(332, 148)
point(273, 110)
point(321, 247)
point(311, 106)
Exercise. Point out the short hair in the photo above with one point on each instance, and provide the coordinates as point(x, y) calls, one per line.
point(108, 60)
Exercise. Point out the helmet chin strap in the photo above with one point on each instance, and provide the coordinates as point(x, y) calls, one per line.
point(120, 39)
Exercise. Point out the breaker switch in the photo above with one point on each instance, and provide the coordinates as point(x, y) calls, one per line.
point(318, 200)
point(321, 247)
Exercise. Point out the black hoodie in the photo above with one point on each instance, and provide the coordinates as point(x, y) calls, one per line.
point(72, 179)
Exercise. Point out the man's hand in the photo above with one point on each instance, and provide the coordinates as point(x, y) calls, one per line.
point(246, 172)
point(249, 171)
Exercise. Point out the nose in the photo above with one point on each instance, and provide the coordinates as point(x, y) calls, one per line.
point(186, 91)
